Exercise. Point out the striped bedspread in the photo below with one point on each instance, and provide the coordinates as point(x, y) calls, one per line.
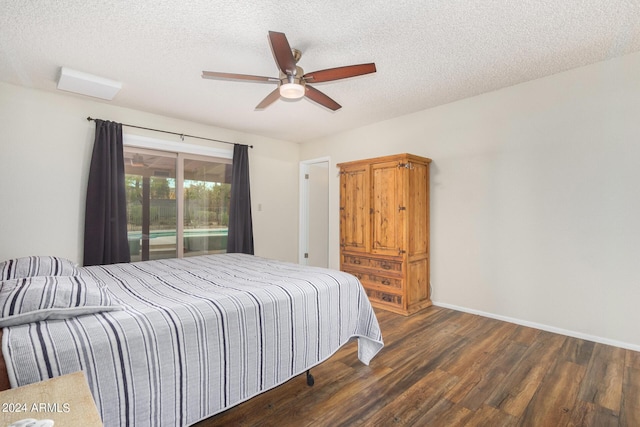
point(196, 335)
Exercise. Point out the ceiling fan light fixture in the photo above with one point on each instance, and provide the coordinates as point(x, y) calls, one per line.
point(292, 90)
point(292, 80)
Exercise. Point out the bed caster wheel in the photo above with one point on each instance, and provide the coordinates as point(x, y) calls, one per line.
point(310, 380)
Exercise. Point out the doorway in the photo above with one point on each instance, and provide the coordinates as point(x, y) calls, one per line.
point(314, 213)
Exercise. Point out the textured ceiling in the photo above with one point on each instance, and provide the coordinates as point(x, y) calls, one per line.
point(427, 52)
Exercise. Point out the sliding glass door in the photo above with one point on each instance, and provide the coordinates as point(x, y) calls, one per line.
point(177, 204)
point(206, 189)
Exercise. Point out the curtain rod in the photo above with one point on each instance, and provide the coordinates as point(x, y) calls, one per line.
point(181, 135)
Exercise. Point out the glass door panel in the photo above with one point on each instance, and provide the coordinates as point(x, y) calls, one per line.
point(206, 191)
point(150, 180)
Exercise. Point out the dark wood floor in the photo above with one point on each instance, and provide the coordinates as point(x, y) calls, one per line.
point(441, 367)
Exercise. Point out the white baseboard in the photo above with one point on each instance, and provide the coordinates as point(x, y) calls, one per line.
point(540, 326)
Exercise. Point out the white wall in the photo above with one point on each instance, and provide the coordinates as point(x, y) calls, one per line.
point(45, 149)
point(535, 198)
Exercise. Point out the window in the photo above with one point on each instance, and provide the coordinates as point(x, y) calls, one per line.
point(177, 203)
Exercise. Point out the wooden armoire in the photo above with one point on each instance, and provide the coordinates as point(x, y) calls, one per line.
point(384, 229)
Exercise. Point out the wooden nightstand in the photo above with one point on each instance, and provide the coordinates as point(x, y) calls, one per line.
point(66, 400)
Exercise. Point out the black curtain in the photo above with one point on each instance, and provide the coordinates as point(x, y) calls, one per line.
point(105, 224)
point(240, 237)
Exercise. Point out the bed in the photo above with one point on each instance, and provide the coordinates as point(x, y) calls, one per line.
point(172, 342)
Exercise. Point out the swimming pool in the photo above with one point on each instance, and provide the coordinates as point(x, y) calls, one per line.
point(201, 240)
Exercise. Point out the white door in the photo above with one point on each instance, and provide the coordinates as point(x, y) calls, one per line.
point(314, 213)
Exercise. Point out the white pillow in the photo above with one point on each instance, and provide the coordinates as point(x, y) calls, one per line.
point(36, 266)
point(32, 299)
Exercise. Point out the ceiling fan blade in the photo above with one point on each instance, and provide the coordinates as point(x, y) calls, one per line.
point(339, 73)
point(269, 99)
point(322, 99)
point(282, 52)
point(232, 76)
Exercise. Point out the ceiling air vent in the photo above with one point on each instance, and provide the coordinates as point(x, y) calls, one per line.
point(87, 84)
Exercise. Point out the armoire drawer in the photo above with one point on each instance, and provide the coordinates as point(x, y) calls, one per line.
point(377, 280)
point(384, 297)
point(375, 263)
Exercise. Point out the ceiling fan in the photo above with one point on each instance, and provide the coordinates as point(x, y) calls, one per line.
point(293, 83)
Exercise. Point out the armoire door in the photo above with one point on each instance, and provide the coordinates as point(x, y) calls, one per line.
point(388, 208)
point(355, 230)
